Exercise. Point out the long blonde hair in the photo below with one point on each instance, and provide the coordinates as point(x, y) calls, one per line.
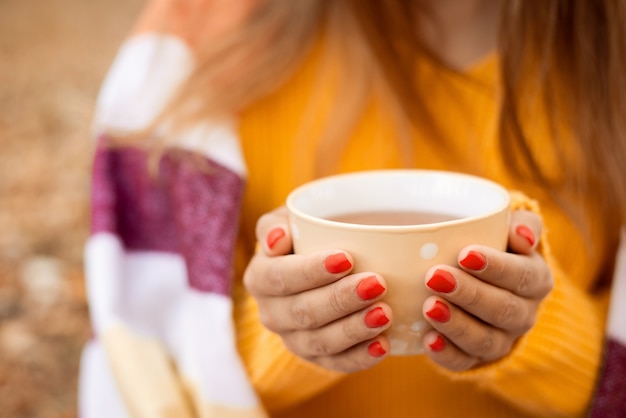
point(574, 50)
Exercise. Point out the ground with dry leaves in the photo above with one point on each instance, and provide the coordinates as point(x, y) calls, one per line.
point(53, 56)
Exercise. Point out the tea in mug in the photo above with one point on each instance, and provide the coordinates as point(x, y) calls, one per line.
point(385, 217)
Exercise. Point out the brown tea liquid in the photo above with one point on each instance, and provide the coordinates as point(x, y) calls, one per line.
point(384, 217)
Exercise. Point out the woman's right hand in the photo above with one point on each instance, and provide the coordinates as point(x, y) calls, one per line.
point(323, 313)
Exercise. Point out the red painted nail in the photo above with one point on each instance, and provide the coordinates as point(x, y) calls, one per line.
point(376, 349)
point(474, 261)
point(439, 312)
point(438, 345)
point(337, 263)
point(369, 288)
point(442, 281)
point(526, 233)
point(273, 236)
point(376, 318)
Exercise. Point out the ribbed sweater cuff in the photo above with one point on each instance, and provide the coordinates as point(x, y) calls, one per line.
point(552, 370)
point(280, 378)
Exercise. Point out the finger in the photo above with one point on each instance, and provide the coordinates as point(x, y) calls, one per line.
point(359, 357)
point(342, 334)
point(524, 231)
point(497, 307)
point(321, 306)
point(446, 354)
point(286, 275)
point(472, 336)
point(524, 275)
point(272, 232)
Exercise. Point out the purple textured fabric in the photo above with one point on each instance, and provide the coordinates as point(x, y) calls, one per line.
point(189, 208)
point(610, 400)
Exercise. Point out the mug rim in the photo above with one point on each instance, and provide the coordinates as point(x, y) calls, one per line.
point(297, 212)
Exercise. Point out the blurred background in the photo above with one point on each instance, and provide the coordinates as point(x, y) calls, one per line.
point(53, 57)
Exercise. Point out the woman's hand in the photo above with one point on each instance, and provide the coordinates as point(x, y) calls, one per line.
point(322, 312)
point(480, 309)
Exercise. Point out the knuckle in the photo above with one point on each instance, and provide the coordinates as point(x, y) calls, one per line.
point(339, 304)
point(484, 347)
point(508, 313)
point(498, 350)
point(275, 280)
point(308, 271)
point(355, 331)
point(525, 282)
point(316, 346)
point(456, 333)
point(498, 270)
point(302, 315)
point(474, 297)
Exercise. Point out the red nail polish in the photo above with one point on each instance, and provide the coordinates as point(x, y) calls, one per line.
point(442, 281)
point(369, 288)
point(474, 261)
point(526, 233)
point(337, 263)
point(376, 349)
point(376, 318)
point(439, 312)
point(273, 236)
point(438, 345)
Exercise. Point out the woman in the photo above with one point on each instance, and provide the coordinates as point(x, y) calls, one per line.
point(215, 110)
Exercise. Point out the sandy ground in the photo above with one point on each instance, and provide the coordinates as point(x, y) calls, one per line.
point(53, 56)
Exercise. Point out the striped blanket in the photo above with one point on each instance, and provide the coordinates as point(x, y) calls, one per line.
point(160, 255)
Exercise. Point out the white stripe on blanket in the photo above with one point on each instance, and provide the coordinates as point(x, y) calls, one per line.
point(148, 292)
point(139, 84)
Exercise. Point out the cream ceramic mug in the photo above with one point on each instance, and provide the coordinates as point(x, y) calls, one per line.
point(399, 223)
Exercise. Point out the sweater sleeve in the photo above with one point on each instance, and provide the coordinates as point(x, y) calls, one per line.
point(552, 370)
point(280, 378)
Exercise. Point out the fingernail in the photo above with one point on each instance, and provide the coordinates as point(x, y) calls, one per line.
point(369, 288)
point(439, 312)
point(376, 318)
point(376, 349)
point(474, 261)
point(337, 263)
point(442, 281)
point(526, 233)
point(438, 344)
point(273, 236)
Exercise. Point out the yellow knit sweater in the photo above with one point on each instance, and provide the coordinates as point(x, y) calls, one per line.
point(550, 372)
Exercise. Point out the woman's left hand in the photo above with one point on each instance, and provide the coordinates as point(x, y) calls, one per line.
point(480, 309)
